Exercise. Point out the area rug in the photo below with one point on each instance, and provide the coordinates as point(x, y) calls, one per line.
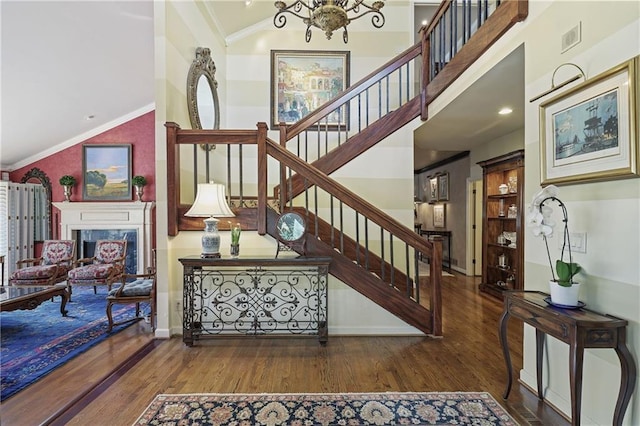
point(36, 342)
point(393, 408)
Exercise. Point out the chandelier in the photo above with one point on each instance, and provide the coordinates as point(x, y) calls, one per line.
point(328, 15)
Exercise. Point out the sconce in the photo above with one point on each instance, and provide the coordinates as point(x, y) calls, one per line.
point(561, 85)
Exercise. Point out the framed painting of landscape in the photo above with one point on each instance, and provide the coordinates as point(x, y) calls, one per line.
point(303, 80)
point(589, 133)
point(106, 172)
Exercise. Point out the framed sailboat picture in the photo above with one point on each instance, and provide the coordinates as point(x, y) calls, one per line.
point(589, 133)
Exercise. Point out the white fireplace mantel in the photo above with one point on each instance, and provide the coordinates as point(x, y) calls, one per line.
point(136, 215)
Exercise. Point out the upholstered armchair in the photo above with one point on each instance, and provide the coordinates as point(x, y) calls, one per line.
point(141, 289)
point(52, 267)
point(104, 268)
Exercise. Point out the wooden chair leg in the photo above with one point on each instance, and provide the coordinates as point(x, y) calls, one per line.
point(109, 316)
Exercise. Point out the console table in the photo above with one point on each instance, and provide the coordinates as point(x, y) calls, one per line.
point(580, 328)
point(254, 296)
point(445, 235)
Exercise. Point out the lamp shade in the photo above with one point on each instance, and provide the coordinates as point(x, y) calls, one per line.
point(210, 201)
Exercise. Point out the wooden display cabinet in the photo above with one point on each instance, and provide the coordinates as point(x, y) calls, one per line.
point(502, 220)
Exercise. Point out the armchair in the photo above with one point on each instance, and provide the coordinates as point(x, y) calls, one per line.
point(142, 289)
point(104, 268)
point(51, 268)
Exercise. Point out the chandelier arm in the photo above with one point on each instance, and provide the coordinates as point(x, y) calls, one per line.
point(345, 35)
point(377, 20)
point(280, 20)
point(307, 35)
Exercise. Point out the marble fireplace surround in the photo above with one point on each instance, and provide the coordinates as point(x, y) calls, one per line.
point(76, 216)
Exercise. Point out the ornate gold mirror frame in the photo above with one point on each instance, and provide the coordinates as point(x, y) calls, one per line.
point(202, 92)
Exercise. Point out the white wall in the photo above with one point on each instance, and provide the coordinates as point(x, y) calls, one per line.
point(180, 27)
point(611, 284)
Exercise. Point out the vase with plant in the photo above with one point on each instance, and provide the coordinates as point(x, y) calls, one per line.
point(564, 290)
point(235, 239)
point(67, 182)
point(138, 183)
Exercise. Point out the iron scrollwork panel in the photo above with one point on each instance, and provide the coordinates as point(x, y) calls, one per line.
point(259, 301)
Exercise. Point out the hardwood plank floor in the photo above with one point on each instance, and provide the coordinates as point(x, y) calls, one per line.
point(468, 358)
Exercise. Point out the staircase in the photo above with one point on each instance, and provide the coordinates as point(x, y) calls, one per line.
point(372, 252)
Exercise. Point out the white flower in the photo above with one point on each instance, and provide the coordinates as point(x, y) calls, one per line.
point(546, 192)
point(539, 225)
point(539, 218)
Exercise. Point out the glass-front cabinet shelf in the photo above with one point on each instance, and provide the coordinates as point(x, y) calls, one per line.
point(502, 254)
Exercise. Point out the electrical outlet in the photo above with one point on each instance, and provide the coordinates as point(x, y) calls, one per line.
point(571, 38)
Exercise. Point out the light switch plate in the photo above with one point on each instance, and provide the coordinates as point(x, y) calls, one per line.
point(578, 242)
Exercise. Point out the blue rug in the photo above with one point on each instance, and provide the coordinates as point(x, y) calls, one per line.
point(34, 343)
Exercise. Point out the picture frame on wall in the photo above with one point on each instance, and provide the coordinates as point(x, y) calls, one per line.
point(432, 194)
point(106, 172)
point(302, 80)
point(443, 187)
point(589, 133)
point(439, 216)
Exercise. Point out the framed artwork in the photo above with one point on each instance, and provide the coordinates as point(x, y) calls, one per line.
point(443, 187)
point(303, 80)
point(589, 133)
point(439, 216)
point(106, 172)
point(432, 193)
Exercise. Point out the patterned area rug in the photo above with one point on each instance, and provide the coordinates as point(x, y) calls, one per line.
point(36, 342)
point(394, 408)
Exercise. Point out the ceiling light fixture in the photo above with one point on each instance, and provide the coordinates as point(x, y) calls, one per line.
point(505, 111)
point(328, 15)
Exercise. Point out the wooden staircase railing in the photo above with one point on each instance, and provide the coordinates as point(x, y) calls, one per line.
point(394, 290)
point(442, 61)
point(443, 54)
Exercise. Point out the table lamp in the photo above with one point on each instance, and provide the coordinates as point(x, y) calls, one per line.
point(210, 201)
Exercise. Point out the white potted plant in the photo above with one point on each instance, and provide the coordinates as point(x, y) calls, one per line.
point(564, 290)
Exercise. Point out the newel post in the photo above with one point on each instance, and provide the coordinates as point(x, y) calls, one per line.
point(261, 141)
point(435, 297)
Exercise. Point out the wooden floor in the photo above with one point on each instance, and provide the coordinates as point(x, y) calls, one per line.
point(468, 358)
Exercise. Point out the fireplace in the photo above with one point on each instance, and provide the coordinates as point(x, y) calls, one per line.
point(87, 222)
point(86, 244)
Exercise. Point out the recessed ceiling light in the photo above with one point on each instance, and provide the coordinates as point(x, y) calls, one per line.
point(505, 111)
point(425, 22)
point(248, 2)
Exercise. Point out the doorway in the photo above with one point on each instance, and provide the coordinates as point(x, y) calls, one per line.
point(474, 227)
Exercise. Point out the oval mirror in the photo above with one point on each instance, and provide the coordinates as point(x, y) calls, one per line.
point(202, 92)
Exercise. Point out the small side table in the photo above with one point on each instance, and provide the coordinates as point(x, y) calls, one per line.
point(445, 235)
point(580, 328)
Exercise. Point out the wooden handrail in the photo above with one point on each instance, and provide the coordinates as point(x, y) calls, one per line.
point(353, 91)
point(351, 199)
point(177, 137)
point(507, 14)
